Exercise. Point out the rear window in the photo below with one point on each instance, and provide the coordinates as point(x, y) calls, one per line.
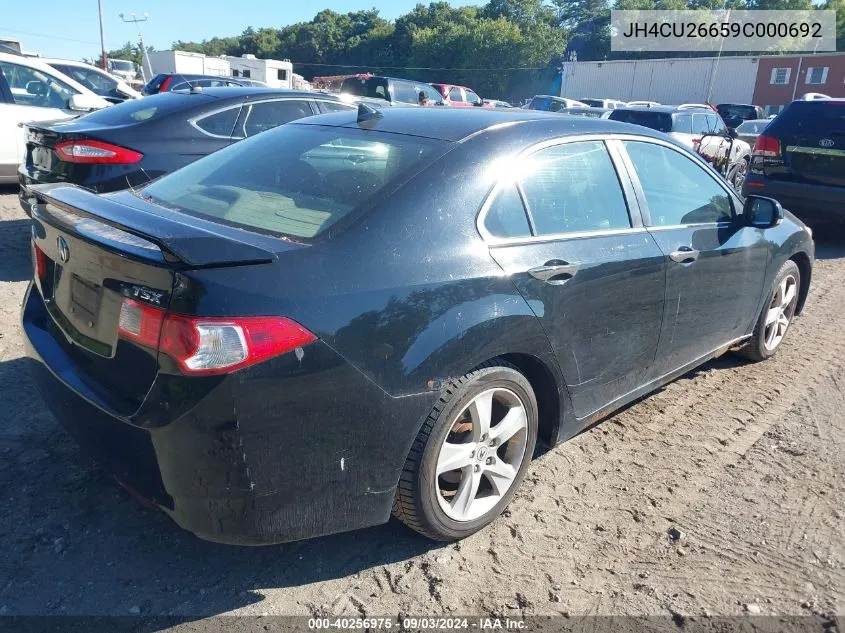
point(742, 111)
point(593, 103)
point(140, 110)
point(812, 118)
point(373, 87)
point(154, 84)
point(296, 180)
point(660, 121)
point(752, 127)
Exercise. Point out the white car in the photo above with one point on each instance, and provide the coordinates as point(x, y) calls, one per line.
point(111, 88)
point(30, 90)
point(642, 104)
point(607, 104)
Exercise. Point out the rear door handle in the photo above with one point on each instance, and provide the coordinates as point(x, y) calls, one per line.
point(554, 274)
point(684, 255)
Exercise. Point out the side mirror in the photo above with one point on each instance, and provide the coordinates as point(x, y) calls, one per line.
point(732, 132)
point(85, 103)
point(36, 88)
point(761, 212)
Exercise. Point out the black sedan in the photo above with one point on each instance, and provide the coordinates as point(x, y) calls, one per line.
point(131, 143)
point(350, 316)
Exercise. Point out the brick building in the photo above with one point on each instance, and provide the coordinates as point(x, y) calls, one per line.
point(783, 78)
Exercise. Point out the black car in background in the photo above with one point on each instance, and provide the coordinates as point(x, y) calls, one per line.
point(359, 314)
point(799, 159)
point(131, 143)
point(167, 82)
point(735, 113)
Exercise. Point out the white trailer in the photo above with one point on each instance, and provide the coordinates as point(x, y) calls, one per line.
point(189, 63)
point(276, 73)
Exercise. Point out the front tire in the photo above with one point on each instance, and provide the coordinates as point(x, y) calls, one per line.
point(777, 314)
point(470, 455)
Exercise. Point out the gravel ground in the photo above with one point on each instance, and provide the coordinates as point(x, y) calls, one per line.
point(722, 494)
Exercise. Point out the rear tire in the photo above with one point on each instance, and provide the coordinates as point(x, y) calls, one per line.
point(462, 472)
point(777, 314)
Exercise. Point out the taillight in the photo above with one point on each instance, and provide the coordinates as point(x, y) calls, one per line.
point(39, 261)
point(210, 345)
point(96, 152)
point(767, 146)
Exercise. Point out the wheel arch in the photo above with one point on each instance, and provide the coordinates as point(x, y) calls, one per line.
point(805, 268)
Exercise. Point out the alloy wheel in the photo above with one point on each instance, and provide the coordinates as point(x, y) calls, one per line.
point(482, 454)
point(781, 310)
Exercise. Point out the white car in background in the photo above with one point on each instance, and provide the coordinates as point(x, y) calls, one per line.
point(31, 90)
point(111, 88)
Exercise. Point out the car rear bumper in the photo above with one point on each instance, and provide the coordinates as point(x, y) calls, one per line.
point(265, 457)
point(807, 201)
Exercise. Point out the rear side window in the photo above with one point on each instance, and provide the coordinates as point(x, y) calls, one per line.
point(506, 215)
point(261, 117)
point(455, 94)
point(374, 87)
point(700, 124)
point(660, 121)
point(811, 118)
point(572, 188)
point(405, 92)
point(219, 123)
point(296, 180)
point(683, 124)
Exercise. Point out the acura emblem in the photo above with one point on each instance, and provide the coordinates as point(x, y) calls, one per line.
point(64, 251)
point(826, 142)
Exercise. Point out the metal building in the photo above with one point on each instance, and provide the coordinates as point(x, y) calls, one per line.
point(669, 81)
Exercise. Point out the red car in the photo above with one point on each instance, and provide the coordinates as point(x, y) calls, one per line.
point(459, 96)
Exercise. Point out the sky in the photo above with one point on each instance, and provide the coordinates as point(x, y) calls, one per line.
point(70, 29)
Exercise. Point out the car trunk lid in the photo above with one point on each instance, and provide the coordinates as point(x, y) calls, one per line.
point(93, 254)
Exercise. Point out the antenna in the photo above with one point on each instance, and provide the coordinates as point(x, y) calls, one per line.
point(368, 113)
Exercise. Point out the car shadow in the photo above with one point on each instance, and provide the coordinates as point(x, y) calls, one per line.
point(15, 246)
point(75, 543)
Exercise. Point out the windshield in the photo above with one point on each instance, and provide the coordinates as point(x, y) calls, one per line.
point(546, 104)
point(295, 180)
point(120, 64)
point(660, 121)
point(100, 83)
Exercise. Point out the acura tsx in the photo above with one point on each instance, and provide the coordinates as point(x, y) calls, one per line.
point(365, 313)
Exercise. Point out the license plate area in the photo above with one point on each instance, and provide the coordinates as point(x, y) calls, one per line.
point(42, 158)
point(83, 310)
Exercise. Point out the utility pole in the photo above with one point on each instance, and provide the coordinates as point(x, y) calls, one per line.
point(146, 67)
point(103, 60)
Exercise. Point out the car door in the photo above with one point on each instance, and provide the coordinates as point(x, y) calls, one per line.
point(264, 115)
point(715, 264)
point(566, 229)
point(32, 95)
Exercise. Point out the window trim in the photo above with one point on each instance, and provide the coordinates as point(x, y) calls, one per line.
point(774, 75)
point(246, 110)
point(628, 195)
point(640, 192)
point(194, 121)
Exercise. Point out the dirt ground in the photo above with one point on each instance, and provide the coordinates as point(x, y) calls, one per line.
point(722, 494)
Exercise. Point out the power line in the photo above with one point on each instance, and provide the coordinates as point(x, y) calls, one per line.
point(498, 68)
point(51, 37)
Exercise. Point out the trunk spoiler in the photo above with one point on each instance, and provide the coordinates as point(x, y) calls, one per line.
point(69, 206)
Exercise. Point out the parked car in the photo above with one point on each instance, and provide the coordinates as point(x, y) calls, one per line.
point(459, 96)
point(799, 159)
point(281, 340)
point(392, 90)
point(701, 129)
point(733, 114)
point(30, 90)
point(134, 142)
point(110, 88)
point(605, 104)
point(126, 69)
point(168, 82)
point(748, 131)
point(591, 112)
point(642, 104)
point(549, 103)
point(496, 103)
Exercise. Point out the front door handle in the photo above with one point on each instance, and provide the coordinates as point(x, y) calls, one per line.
point(684, 255)
point(554, 273)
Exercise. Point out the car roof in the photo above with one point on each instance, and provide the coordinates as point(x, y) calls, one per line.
point(669, 109)
point(38, 64)
point(232, 92)
point(457, 124)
